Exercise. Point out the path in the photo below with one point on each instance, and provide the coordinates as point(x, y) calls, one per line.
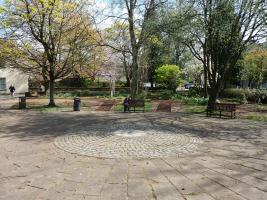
point(229, 164)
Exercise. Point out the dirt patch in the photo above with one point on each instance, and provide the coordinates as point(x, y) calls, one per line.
point(164, 106)
point(106, 105)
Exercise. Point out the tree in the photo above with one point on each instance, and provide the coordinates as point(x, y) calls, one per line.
point(2, 55)
point(137, 16)
point(255, 67)
point(222, 32)
point(169, 76)
point(117, 36)
point(193, 74)
point(50, 37)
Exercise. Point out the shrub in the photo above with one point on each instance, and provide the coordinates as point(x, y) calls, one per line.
point(251, 95)
point(167, 94)
point(169, 76)
point(191, 100)
point(194, 92)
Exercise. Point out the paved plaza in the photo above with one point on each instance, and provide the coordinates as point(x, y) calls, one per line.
point(136, 156)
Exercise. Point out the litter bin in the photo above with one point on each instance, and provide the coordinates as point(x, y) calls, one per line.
point(76, 104)
point(22, 102)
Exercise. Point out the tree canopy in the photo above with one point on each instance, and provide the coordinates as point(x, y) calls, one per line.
point(55, 39)
point(49, 37)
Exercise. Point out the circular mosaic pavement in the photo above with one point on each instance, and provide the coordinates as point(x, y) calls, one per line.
point(129, 141)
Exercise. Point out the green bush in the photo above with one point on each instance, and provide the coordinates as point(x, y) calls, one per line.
point(243, 95)
point(142, 95)
point(169, 76)
point(166, 94)
point(120, 83)
point(194, 92)
point(191, 100)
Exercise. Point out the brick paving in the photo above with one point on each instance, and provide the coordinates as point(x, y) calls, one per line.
point(128, 141)
point(229, 164)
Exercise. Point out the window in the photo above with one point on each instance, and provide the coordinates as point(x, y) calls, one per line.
point(3, 84)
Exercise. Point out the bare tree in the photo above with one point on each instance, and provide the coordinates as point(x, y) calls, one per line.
point(136, 17)
point(117, 37)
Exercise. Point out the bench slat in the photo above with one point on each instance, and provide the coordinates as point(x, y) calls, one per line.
point(222, 107)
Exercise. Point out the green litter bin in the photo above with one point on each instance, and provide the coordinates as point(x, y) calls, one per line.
point(22, 102)
point(76, 104)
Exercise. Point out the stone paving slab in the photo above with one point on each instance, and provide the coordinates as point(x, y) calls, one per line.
point(229, 164)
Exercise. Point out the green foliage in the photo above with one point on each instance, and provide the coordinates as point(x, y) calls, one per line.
point(194, 92)
point(142, 95)
point(165, 95)
point(191, 100)
point(244, 95)
point(169, 76)
point(255, 117)
point(83, 83)
point(193, 74)
point(243, 98)
point(254, 66)
point(196, 109)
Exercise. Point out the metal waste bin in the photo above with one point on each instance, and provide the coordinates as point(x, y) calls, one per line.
point(22, 102)
point(76, 104)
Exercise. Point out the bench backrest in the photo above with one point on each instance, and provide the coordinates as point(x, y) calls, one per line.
point(136, 102)
point(225, 106)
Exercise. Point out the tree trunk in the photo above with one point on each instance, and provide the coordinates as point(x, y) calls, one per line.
point(213, 95)
point(151, 83)
point(52, 93)
point(205, 86)
point(214, 91)
point(46, 86)
point(127, 81)
point(134, 80)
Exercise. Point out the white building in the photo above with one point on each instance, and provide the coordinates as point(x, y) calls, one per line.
point(13, 77)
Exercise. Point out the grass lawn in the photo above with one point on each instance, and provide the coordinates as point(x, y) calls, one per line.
point(197, 109)
point(255, 117)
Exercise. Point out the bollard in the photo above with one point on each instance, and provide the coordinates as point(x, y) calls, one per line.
point(22, 102)
point(76, 104)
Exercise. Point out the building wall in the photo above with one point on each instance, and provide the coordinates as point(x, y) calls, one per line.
point(16, 78)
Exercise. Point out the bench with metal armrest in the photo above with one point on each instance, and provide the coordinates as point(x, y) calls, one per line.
point(221, 108)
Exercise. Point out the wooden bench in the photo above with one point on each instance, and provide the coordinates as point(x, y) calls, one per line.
point(137, 103)
point(222, 107)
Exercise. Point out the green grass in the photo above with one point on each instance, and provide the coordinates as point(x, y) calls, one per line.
point(255, 117)
point(260, 108)
point(120, 108)
point(48, 108)
point(197, 109)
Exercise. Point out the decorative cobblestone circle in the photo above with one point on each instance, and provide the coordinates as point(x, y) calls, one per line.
point(129, 141)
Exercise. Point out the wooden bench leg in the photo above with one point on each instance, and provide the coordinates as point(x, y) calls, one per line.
point(220, 114)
